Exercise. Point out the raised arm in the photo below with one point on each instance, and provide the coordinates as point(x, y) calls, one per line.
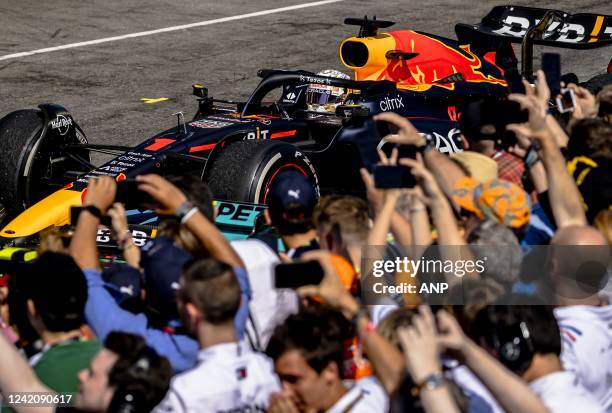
point(387, 360)
point(441, 166)
point(563, 192)
point(100, 196)
point(172, 200)
point(511, 392)
point(17, 376)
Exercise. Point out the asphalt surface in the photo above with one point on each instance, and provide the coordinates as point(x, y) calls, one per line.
point(102, 85)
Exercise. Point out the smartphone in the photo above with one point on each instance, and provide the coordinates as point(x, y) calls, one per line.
point(75, 211)
point(515, 81)
point(132, 197)
point(297, 274)
point(391, 176)
point(566, 101)
point(551, 65)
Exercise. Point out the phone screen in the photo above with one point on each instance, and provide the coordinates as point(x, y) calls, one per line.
point(297, 274)
point(132, 197)
point(389, 177)
point(551, 65)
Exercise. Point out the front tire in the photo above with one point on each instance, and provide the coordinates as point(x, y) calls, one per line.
point(243, 171)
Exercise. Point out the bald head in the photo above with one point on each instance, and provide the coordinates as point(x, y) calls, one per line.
point(578, 235)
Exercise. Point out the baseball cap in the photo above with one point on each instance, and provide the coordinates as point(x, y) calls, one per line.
point(124, 282)
point(291, 200)
point(58, 289)
point(162, 262)
point(498, 199)
point(480, 167)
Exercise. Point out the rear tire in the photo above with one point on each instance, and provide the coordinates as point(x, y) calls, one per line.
point(244, 170)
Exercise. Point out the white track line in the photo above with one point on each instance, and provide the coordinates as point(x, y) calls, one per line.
point(168, 29)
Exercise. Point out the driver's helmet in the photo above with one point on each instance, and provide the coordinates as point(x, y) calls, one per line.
point(323, 98)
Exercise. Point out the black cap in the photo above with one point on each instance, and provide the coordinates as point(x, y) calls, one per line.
point(58, 289)
point(291, 200)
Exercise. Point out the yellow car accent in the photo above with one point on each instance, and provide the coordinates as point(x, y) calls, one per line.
point(53, 210)
point(153, 100)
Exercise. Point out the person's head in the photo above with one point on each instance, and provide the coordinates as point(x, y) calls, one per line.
point(467, 298)
point(56, 293)
point(604, 100)
point(591, 137)
point(200, 195)
point(209, 293)
point(497, 244)
point(162, 261)
point(519, 329)
point(341, 221)
point(291, 200)
point(498, 200)
point(388, 326)
point(577, 263)
point(325, 98)
point(307, 351)
point(478, 127)
point(125, 376)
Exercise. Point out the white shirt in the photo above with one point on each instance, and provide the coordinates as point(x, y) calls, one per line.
point(586, 338)
point(228, 377)
point(269, 307)
point(561, 392)
point(366, 396)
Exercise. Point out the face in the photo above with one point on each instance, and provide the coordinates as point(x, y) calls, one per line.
point(302, 384)
point(94, 392)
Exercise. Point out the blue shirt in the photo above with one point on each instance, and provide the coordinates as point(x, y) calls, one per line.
point(104, 315)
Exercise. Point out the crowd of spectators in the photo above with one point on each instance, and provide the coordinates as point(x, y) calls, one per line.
point(191, 322)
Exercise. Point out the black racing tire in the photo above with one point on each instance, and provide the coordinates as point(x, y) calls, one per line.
point(17, 131)
point(243, 170)
point(27, 172)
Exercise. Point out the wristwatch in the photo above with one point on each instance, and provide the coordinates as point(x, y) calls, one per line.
point(93, 210)
point(431, 382)
point(182, 209)
point(429, 144)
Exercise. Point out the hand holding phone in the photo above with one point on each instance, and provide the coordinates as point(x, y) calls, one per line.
point(129, 195)
point(393, 177)
point(298, 274)
point(566, 101)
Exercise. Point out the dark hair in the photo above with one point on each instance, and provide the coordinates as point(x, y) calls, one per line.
point(198, 192)
point(317, 331)
point(58, 289)
point(139, 372)
point(508, 312)
point(212, 286)
point(591, 137)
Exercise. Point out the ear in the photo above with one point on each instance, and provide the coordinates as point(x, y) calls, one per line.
point(267, 217)
point(31, 308)
point(331, 373)
point(194, 315)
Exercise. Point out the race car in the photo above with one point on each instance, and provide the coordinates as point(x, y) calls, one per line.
point(240, 147)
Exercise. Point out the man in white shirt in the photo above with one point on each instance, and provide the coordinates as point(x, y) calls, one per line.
point(583, 312)
point(525, 337)
point(308, 356)
point(228, 377)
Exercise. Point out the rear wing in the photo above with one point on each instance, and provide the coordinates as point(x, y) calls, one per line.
point(530, 25)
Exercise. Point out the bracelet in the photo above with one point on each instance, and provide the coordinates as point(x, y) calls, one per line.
point(183, 209)
point(122, 241)
point(369, 327)
point(431, 382)
point(188, 215)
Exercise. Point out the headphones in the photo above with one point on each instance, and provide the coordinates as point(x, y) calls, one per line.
point(514, 346)
point(131, 388)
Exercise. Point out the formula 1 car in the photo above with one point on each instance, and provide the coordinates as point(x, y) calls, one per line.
point(240, 147)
